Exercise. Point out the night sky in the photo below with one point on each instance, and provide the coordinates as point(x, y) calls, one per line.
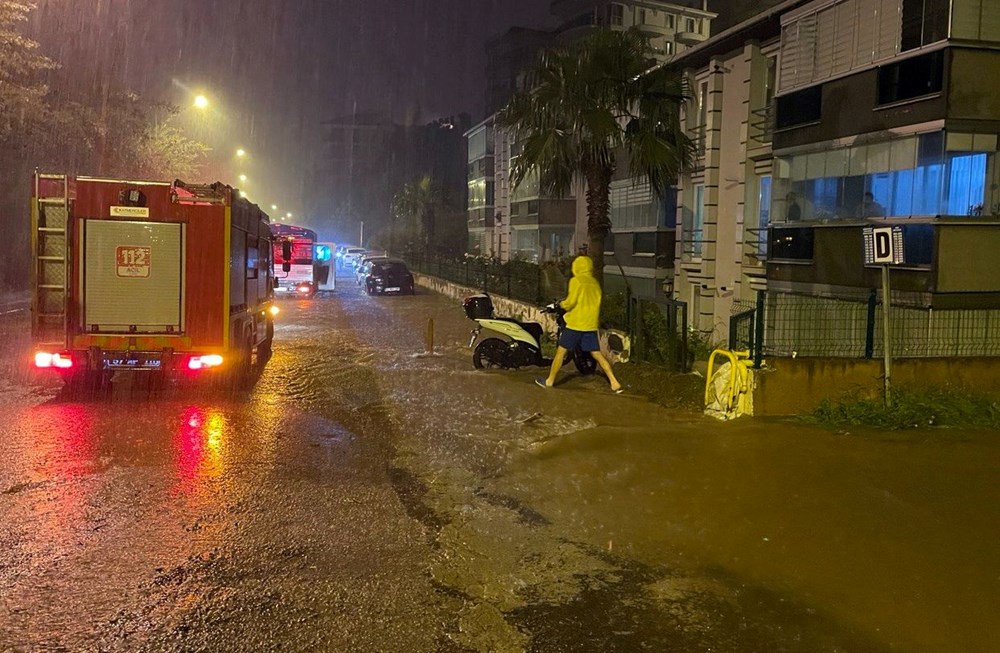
point(274, 69)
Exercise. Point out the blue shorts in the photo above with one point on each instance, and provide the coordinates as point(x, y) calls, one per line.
point(585, 340)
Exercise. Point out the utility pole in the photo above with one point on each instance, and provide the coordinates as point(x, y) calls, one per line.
point(361, 243)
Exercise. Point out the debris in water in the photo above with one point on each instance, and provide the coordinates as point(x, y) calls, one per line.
point(530, 419)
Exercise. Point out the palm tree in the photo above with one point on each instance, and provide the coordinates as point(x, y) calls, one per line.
point(585, 105)
point(418, 202)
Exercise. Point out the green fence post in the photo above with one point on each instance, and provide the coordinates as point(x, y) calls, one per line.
point(758, 331)
point(870, 326)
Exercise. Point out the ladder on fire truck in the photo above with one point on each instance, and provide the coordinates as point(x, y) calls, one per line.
point(50, 271)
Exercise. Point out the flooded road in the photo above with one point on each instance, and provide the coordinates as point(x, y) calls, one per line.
point(367, 497)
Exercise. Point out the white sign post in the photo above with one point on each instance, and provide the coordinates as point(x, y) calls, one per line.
point(884, 247)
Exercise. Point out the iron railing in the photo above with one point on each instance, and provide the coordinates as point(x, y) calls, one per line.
point(762, 124)
point(785, 324)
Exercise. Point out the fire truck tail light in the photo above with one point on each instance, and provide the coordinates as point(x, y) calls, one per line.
point(45, 360)
point(203, 362)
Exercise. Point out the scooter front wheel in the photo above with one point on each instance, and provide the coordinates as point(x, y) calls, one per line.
point(585, 363)
point(490, 353)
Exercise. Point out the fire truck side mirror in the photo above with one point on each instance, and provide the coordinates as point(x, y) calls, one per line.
point(274, 283)
point(286, 251)
point(286, 266)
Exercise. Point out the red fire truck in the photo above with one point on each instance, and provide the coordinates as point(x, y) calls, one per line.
point(154, 276)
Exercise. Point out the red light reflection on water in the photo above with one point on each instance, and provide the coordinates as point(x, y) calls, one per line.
point(198, 447)
point(64, 441)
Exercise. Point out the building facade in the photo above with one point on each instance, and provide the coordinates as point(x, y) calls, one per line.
point(817, 120)
point(524, 223)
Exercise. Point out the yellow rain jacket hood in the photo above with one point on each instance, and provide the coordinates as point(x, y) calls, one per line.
point(583, 303)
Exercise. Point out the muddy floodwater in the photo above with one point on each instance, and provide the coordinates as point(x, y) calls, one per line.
point(366, 496)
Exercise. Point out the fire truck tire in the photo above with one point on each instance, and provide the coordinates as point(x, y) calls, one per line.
point(264, 348)
point(244, 368)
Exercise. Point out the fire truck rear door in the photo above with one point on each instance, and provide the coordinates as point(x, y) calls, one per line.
point(133, 277)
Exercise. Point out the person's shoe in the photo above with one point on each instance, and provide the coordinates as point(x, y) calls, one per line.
point(619, 390)
point(542, 383)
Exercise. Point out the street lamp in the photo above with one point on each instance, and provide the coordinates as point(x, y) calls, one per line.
point(274, 207)
point(241, 153)
point(243, 178)
point(201, 102)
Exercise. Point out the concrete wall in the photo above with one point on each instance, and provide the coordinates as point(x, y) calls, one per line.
point(504, 307)
point(795, 386)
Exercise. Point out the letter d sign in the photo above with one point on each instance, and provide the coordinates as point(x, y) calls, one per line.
point(882, 244)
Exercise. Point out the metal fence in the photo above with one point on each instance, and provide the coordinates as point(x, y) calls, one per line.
point(659, 332)
point(656, 326)
point(785, 324)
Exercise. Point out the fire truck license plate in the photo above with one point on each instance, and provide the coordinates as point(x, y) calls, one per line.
point(132, 361)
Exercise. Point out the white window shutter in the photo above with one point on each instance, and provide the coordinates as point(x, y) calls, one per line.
point(789, 57)
point(890, 29)
point(826, 33)
point(844, 41)
point(864, 50)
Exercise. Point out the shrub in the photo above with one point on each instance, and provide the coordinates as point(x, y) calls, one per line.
point(912, 408)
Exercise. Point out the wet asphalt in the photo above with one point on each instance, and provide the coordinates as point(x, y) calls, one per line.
point(365, 495)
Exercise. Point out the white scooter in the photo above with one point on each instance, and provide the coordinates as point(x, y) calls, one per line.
point(522, 346)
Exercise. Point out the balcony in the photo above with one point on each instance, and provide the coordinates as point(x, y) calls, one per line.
point(699, 139)
point(690, 38)
point(692, 242)
point(762, 125)
point(949, 261)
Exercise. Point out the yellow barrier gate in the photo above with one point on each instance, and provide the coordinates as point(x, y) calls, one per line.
point(729, 389)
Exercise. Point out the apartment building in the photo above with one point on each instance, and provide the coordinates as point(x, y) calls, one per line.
point(888, 111)
point(815, 120)
point(521, 222)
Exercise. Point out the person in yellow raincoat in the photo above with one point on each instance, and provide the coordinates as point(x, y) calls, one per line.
point(583, 311)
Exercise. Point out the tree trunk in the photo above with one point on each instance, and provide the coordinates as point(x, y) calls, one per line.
point(598, 215)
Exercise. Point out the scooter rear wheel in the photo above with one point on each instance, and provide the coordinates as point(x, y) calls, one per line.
point(585, 363)
point(490, 353)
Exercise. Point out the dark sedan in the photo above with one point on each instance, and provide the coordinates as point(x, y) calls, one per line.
point(388, 276)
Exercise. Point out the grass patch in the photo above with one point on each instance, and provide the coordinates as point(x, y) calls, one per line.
point(912, 408)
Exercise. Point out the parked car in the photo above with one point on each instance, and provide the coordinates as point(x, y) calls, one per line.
point(352, 254)
point(388, 276)
point(364, 264)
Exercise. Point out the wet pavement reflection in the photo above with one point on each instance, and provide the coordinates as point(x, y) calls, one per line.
point(365, 496)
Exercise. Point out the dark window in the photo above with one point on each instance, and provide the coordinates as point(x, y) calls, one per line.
point(930, 149)
point(489, 193)
point(918, 244)
point(609, 244)
point(924, 22)
point(794, 243)
point(616, 14)
point(799, 108)
point(669, 213)
point(644, 242)
point(252, 262)
point(911, 78)
point(533, 207)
